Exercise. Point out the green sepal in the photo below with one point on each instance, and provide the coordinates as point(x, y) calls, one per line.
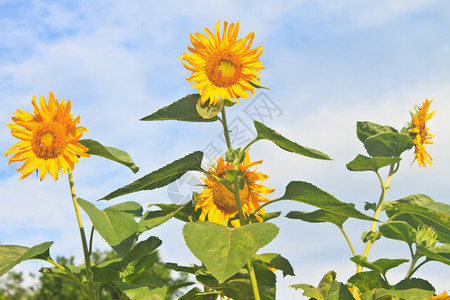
point(207, 111)
point(368, 129)
point(162, 176)
point(257, 86)
point(266, 133)
point(224, 250)
point(116, 224)
point(380, 265)
point(12, 255)
point(111, 153)
point(364, 163)
point(307, 193)
point(181, 110)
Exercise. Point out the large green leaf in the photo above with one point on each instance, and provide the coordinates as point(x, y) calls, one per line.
point(12, 255)
point(398, 230)
point(224, 250)
point(181, 110)
point(307, 193)
point(328, 289)
point(275, 260)
point(114, 154)
point(410, 294)
point(115, 224)
point(439, 253)
point(154, 218)
point(388, 144)
point(417, 210)
point(368, 129)
point(161, 177)
point(140, 250)
point(380, 265)
point(364, 163)
point(318, 216)
point(142, 291)
point(267, 133)
point(367, 281)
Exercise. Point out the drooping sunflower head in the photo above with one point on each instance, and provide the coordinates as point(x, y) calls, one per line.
point(49, 138)
point(419, 132)
point(223, 66)
point(218, 203)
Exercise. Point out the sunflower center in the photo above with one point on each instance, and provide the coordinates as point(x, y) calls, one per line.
point(224, 199)
point(49, 140)
point(223, 68)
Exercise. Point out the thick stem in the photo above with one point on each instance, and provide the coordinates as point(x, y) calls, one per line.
point(251, 272)
point(225, 129)
point(87, 261)
point(384, 188)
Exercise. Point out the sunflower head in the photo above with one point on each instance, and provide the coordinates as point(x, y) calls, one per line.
point(218, 203)
point(223, 66)
point(419, 132)
point(48, 138)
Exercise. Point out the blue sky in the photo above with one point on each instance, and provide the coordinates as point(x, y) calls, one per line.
point(328, 64)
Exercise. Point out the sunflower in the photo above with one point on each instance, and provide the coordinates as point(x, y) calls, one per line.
point(49, 138)
point(218, 203)
point(223, 67)
point(441, 296)
point(419, 132)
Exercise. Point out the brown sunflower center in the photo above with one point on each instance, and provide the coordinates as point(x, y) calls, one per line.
point(224, 199)
point(49, 140)
point(223, 68)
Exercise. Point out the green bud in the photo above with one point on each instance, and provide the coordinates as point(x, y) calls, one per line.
point(426, 236)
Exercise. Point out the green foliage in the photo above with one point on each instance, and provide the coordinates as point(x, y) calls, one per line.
point(381, 265)
point(11, 255)
point(181, 110)
point(114, 154)
point(161, 177)
point(364, 163)
point(328, 289)
point(266, 133)
point(223, 250)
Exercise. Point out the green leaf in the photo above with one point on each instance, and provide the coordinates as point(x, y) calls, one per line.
point(339, 291)
point(206, 111)
point(266, 133)
point(115, 224)
point(276, 261)
point(307, 193)
point(367, 281)
point(381, 265)
point(114, 154)
point(417, 210)
point(320, 292)
point(224, 250)
point(12, 255)
point(438, 253)
point(410, 294)
point(413, 283)
point(181, 110)
point(196, 294)
point(318, 216)
point(398, 230)
point(140, 250)
point(257, 85)
point(152, 219)
point(142, 291)
point(364, 163)
point(368, 129)
point(161, 177)
point(388, 144)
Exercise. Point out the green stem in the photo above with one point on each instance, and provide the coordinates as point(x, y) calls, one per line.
point(237, 196)
point(384, 188)
point(82, 234)
point(251, 271)
point(413, 268)
point(347, 239)
point(225, 129)
point(70, 274)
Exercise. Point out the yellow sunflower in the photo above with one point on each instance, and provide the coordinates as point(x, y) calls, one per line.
point(218, 203)
point(442, 296)
point(420, 133)
point(223, 67)
point(49, 138)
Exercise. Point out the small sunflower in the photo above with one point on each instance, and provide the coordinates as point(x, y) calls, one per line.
point(218, 203)
point(441, 296)
point(49, 138)
point(223, 67)
point(419, 132)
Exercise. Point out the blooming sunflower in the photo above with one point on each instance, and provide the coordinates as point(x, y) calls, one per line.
point(419, 132)
point(49, 138)
point(218, 203)
point(441, 296)
point(223, 67)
